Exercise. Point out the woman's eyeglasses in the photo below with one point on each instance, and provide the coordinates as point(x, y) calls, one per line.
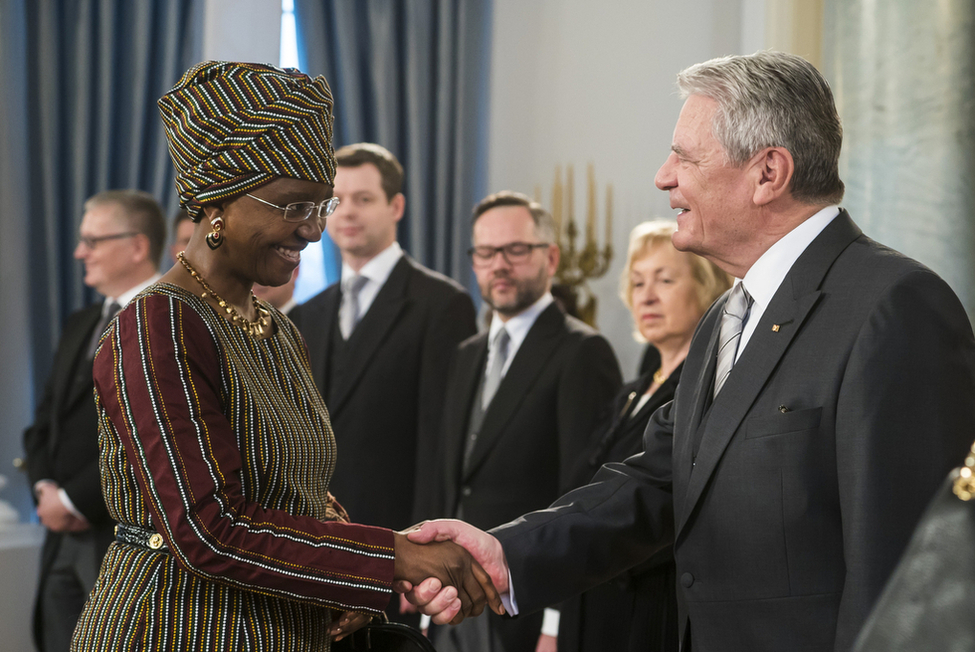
point(300, 211)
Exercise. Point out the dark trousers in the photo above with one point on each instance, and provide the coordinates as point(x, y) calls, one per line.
point(66, 586)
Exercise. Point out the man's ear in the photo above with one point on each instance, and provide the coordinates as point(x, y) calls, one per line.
point(398, 202)
point(774, 167)
point(140, 248)
point(552, 262)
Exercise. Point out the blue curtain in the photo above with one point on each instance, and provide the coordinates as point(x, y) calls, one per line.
point(79, 84)
point(411, 75)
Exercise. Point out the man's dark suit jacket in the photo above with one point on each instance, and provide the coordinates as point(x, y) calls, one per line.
point(62, 443)
point(387, 413)
point(540, 422)
point(851, 401)
point(647, 592)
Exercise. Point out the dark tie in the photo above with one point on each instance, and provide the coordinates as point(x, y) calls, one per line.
point(732, 323)
point(493, 380)
point(349, 312)
point(107, 313)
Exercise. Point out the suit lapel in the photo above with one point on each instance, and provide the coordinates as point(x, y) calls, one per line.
point(372, 329)
point(73, 352)
point(694, 395)
point(540, 344)
point(789, 308)
point(76, 345)
point(705, 378)
point(469, 366)
point(324, 316)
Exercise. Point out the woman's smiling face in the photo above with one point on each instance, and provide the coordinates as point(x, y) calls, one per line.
point(260, 245)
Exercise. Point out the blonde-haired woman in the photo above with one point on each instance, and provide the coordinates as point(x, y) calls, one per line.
point(668, 292)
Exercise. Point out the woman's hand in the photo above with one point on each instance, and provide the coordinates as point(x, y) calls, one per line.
point(349, 622)
point(452, 567)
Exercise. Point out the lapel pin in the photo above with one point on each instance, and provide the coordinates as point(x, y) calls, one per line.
point(783, 409)
point(775, 328)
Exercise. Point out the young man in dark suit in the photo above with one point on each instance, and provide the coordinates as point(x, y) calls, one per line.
point(822, 402)
point(523, 399)
point(121, 240)
point(379, 343)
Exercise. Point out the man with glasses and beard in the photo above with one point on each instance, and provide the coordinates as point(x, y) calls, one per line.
point(120, 242)
point(522, 399)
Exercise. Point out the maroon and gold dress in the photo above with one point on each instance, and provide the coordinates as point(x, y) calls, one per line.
point(221, 444)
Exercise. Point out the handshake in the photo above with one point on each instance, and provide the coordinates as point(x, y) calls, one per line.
point(449, 570)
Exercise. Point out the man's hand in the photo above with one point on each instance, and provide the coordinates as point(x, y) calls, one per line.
point(431, 597)
point(53, 513)
point(445, 564)
point(547, 643)
point(405, 606)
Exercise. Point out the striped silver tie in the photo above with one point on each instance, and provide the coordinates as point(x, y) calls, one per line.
point(732, 323)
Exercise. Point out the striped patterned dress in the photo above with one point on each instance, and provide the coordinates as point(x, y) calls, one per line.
point(220, 443)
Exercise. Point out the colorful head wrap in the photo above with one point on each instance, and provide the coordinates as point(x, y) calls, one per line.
point(235, 126)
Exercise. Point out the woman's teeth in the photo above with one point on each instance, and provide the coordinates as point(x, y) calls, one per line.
point(290, 254)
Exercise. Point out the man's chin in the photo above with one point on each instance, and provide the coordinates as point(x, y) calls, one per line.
point(511, 309)
point(504, 307)
point(682, 241)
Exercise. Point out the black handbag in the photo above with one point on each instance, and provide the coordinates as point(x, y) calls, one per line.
point(929, 601)
point(384, 637)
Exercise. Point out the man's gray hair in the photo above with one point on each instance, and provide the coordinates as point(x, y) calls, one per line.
point(141, 212)
point(774, 99)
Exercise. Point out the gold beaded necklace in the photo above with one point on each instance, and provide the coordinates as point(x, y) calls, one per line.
point(659, 376)
point(253, 328)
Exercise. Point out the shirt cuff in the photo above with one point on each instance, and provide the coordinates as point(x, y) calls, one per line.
point(63, 495)
point(508, 599)
point(550, 623)
point(510, 607)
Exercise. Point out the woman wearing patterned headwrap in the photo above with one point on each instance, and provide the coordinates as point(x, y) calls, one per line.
point(216, 448)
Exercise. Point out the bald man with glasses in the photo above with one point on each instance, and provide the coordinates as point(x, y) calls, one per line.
point(120, 242)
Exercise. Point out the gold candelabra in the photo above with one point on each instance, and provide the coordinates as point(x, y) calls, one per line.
point(578, 265)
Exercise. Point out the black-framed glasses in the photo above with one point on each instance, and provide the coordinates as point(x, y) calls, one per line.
point(300, 211)
point(91, 243)
point(514, 252)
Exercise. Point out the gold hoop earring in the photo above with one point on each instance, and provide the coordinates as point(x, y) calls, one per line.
point(215, 237)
